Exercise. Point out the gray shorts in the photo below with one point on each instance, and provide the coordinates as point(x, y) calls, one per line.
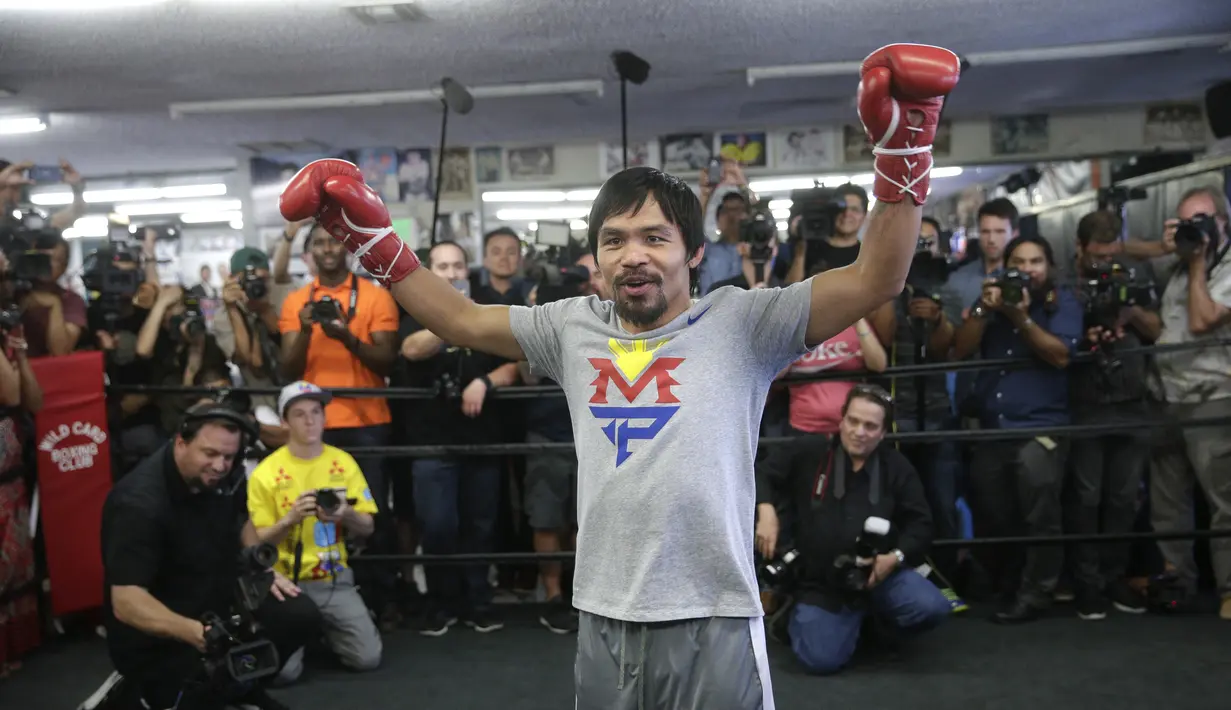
point(551, 487)
point(718, 663)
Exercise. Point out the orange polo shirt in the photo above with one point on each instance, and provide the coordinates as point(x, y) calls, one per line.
point(330, 364)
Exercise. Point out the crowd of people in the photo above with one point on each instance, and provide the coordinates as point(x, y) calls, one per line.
point(320, 506)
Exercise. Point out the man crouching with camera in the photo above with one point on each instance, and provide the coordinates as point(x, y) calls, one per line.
point(310, 499)
point(858, 518)
point(179, 556)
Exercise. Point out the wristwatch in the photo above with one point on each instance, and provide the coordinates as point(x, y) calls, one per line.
point(487, 381)
point(901, 557)
point(978, 311)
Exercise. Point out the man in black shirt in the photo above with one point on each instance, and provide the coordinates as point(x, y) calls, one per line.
point(172, 534)
point(830, 486)
point(840, 248)
point(457, 499)
point(1107, 470)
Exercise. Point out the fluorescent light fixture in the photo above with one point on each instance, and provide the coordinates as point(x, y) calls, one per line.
point(237, 224)
point(796, 183)
point(782, 226)
point(132, 194)
point(543, 213)
point(70, 233)
point(582, 195)
point(75, 5)
point(869, 178)
point(782, 214)
point(533, 226)
point(780, 204)
point(579, 224)
point(532, 196)
point(383, 98)
point(92, 226)
point(22, 124)
point(141, 209)
point(946, 172)
point(210, 217)
point(1100, 50)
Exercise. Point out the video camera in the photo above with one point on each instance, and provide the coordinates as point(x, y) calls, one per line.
point(25, 237)
point(235, 648)
point(111, 276)
point(818, 208)
point(1105, 290)
point(1190, 233)
point(851, 572)
point(928, 272)
point(551, 267)
point(1011, 284)
point(326, 310)
point(759, 230)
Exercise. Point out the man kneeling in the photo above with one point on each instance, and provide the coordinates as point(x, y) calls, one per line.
point(829, 487)
point(309, 499)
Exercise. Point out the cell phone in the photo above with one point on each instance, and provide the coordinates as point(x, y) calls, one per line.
point(42, 174)
point(715, 171)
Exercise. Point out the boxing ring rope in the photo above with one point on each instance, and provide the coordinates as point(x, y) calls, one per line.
point(953, 435)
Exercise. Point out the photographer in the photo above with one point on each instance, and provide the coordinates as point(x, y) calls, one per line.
point(1015, 485)
point(830, 486)
point(310, 500)
point(1107, 470)
point(1196, 308)
point(14, 177)
point(172, 535)
point(834, 250)
point(175, 346)
point(456, 499)
point(249, 334)
point(54, 316)
point(721, 260)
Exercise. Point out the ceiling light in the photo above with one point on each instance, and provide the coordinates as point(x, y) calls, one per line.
point(237, 224)
point(22, 124)
point(868, 178)
point(92, 226)
point(533, 226)
point(209, 217)
point(132, 194)
point(76, 4)
point(780, 204)
point(582, 195)
point(946, 172)
point(140, 209)
point(797, 183)
point(543, 213)
point(782, 214)
point(782, 226)
point(383, 98)
point(579, 224)
point(535, 196)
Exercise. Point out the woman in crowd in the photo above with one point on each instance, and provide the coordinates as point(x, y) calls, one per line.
point(20, 396)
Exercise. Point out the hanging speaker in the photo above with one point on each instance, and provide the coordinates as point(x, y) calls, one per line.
point(1218, 109)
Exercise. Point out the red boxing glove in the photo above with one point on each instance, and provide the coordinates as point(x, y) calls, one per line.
point(896, 81)
point(332, 191)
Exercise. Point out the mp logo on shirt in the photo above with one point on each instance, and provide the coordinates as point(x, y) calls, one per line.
point(632, 369)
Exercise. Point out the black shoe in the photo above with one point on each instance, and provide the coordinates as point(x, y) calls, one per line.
point(484, 621)
point(436, 624)
point(1126, 599)
point(258, 699)
point(1091, 605)
point(1018, 612)
point(558, 617)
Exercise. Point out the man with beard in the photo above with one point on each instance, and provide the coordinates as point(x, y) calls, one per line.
point(172, 532)
point(667, 394)
point(1015, 485)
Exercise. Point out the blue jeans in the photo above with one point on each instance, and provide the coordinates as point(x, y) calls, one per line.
point(824, 641)
point(457, 502)
point(940, 469)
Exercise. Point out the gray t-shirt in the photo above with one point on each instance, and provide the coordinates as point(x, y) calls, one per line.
point(666, 426)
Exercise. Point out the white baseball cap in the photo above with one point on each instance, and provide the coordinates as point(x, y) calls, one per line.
point(300, 390)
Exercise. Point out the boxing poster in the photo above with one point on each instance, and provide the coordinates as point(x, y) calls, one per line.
point(74, 476)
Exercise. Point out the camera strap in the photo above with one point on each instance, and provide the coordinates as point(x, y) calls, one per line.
point(836, 468)
point(354, 295)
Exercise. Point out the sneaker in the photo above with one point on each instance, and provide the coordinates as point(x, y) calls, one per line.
point(1091, 606)
point(436, 624)
point(558, 617)
point(957, 605)
point(484, 621)
point(1126, 599)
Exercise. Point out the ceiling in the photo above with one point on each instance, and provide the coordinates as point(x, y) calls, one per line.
point(107, 77)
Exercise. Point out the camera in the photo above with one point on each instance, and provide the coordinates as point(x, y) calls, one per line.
point(326, 310)
point(10, 317)
point(778, 572)
point(1011, 284)
point(928, 272)
point(111, 278)
point(192, 319)
point(852, 571)
point(759, 230)
point(235, 648)
point(1190, 233)
point(29, 268)
point(818, 208)
point(328, 500)
point(1105, 290)
point(254, 285)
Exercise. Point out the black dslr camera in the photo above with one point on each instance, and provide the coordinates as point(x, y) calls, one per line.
point(1190, 233)
point(327, 499)
point(254, 285)
point(10, 317)
point(928, 272)
point(759, 230)
point(235, 648)
point(1011, 284)
point(851, 572)
point(818, 208)
point(192, 319)
point(1105, 290)
point(326, 310)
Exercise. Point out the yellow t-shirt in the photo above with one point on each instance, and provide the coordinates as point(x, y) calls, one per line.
point(277, 482)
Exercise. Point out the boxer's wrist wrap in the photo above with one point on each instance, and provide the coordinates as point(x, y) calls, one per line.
point(383, 254)
point(902, 171)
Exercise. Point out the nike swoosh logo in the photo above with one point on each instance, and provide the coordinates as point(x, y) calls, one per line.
point(694, 319)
